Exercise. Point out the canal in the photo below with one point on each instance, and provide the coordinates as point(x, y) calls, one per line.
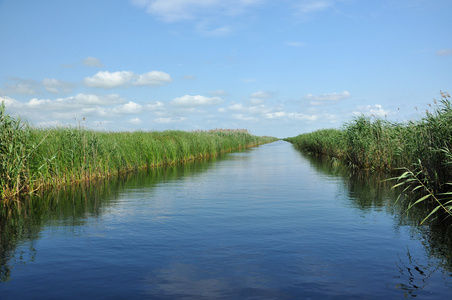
point(264, 223)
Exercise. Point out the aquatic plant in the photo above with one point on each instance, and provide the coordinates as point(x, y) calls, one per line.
point(413, 182)
point(31, 158)
point(418, 151)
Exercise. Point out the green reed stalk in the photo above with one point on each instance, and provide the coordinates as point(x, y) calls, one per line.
point(31, 157)
point(422, 149)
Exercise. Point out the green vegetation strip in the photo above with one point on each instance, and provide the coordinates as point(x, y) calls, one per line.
point(419, 150)
point(32, 158)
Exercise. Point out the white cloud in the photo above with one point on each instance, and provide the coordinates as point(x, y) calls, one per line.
point(242, 117)
point(253, 109)
point(92, 99)
point(81, 105)
point(372, 110)
point(107, 80)
point(128, 108)
point(178, 10)
point(276, 115)
point(30, 86)
point(135, 121)
point(92, 62)
point(169, 120)
point(36, 102)
point(198, 100)
point(56, 86)
point(444, 52)
point(154, 106)
point(153, 78)
point(9, 101)
point(237, 107)
point(21, 86)
point(295, 116)
point(319, 99)
point(302, 117)
point(262, 94)
point(260, 97)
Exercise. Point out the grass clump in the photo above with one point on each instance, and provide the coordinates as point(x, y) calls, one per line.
point(31, 158)
point(418, 150)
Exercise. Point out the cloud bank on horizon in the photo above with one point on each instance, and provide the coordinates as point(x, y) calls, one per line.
point(276, 69)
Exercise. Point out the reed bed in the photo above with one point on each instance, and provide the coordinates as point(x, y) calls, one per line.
point(32, 158)
point(419, 152)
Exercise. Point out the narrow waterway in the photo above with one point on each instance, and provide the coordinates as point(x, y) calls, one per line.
point(265, 223)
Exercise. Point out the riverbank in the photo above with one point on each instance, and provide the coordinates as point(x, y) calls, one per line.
point(419, 152)
point(33, 158)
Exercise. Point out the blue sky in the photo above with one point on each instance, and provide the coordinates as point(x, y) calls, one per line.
point(277, 68)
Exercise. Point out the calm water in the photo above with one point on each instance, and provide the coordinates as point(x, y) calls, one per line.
point(266, 223)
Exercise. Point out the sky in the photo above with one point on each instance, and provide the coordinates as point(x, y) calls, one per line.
point(277, 68)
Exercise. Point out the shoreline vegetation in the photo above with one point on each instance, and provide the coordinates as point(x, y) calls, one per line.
point(33, 158)
point(418, 153)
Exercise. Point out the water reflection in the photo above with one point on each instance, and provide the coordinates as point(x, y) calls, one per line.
point(413, 274)
point(22, 220)
point(261, 224)
point(369, 191)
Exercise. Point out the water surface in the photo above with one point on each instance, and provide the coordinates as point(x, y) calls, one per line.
point(266, 223)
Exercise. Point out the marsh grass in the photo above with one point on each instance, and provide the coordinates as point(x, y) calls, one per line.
point(32, 158)
point(418, 152)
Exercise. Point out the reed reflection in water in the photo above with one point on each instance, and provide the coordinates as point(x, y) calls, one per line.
point(269, 222)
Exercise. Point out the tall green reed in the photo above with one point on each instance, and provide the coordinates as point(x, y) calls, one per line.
point(419, 151)
point(34, 157)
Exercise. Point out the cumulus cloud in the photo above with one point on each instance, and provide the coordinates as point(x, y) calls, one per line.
point(168, 120)
point(154, 106)
point(295, 116)
point(444, 52)
point(198, 100)
point(92, 62)
point(81, 105)
point(56, 86)
point(153, 78)
point(178, 10)
point(262, 95)
point(73, 102)
point(108, 80)
point(372, 110)
point(252, 109)
point(21, 86)
point(8, 101)
point(135, 121)
point(92, 99)
point(243, 117)
point(330, 97)
point(128, 108)
point(275, 115)
point(32, 87)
